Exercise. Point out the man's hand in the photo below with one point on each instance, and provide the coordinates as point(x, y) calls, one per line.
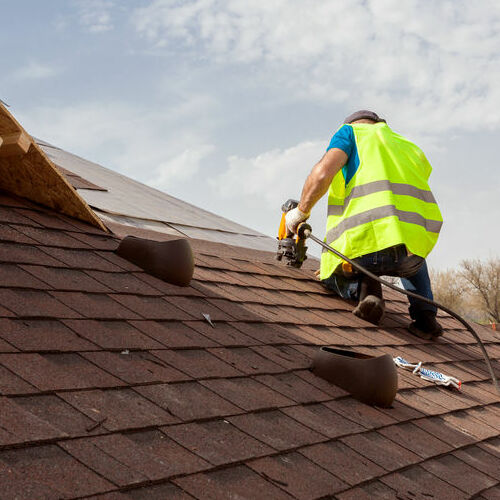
point(294, 217)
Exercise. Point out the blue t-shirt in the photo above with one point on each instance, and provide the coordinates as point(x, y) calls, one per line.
point(344, 139)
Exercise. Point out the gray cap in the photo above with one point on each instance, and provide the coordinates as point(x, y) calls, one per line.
point(363, 113)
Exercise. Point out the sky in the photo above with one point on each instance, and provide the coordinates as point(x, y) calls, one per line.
point(227, 104)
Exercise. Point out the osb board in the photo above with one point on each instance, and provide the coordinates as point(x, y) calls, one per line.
point(35, 177)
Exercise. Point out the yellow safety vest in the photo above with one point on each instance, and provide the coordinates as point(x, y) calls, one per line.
point(387, 202)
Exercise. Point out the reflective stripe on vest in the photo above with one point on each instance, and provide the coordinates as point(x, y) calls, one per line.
point(430, 225)
point(383, 185)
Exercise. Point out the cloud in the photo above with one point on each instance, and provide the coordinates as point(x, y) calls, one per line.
point(181, 167)
point(95, 15)
point(419, 62)
point(34, 71)
point(257, 186)
point(269, 175)
point(151, 146)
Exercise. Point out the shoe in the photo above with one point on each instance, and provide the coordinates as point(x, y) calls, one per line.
point(371, 309)
point(426, 326)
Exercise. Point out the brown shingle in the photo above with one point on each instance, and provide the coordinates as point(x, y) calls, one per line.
point(123, 283)
point(152, 308)
point(10, 234)
point(112, 334)
point(66, 279)
point(11, 384)
point(135, 457)
point(14, 485)
point(95, 305)
point(155, 492)
point(51, 237)
point(25, 254)
point(197, 307)
point(416, 440)
point(52, 372)
point(80, 259)
point(16, 277)
point(319, 418)
point(55, 469)
point(42, 335)
point(236, 482)
point(57, 413)
point(118, 409)
point(276, 429)
point(481, 460)
point(298, 476)
point(285, 356)
point(465, 422)
point(342, 461)
point(418, 481)
point(33, 303)
point(19, 426)
point(293, 387)
point(247, 393)
point(246, 360)
point(197, 363)
point(225, 334)
point(135, 367)
point(188, 401)
point(173, 333)
point(382, 451)
point(217, 441)
point(457, 473)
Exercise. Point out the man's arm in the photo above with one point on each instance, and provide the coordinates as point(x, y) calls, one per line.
point(316, 185)
point(320, 178)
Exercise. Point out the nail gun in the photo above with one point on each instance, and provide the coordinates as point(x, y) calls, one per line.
point(293, 249)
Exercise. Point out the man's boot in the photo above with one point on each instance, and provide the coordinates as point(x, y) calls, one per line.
point(425, 325)
point(371, 304)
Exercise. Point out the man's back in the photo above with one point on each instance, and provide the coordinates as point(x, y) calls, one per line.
point(381, 200)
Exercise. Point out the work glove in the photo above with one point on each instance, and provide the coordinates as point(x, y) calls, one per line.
point(293, 218)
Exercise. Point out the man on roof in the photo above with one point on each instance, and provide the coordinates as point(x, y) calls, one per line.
point(381, 213)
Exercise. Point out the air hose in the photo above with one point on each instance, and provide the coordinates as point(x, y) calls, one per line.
point(304, 231)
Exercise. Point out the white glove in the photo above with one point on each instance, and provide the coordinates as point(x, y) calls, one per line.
point(294, 217)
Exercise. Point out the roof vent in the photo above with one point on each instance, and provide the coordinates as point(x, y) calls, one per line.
point(373, 381)
point(171, 260)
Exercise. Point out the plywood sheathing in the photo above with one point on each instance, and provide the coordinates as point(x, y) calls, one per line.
point(15, 144)
point(26, 171)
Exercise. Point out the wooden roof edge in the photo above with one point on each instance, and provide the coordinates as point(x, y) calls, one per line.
point(27, 171)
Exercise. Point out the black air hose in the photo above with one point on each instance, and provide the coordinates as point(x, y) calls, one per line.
point(304, 231)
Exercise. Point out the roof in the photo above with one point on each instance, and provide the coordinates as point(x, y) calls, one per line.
point(114, 385)
point(117, 198)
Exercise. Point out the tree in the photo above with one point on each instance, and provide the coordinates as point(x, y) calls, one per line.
point(449, 290)
point(482, 281)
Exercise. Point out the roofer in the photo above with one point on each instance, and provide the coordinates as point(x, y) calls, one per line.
point(381, 213)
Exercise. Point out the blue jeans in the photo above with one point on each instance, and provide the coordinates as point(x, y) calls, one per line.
point(389, 262)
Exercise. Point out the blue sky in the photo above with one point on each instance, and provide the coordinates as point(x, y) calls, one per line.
point(228, 104)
